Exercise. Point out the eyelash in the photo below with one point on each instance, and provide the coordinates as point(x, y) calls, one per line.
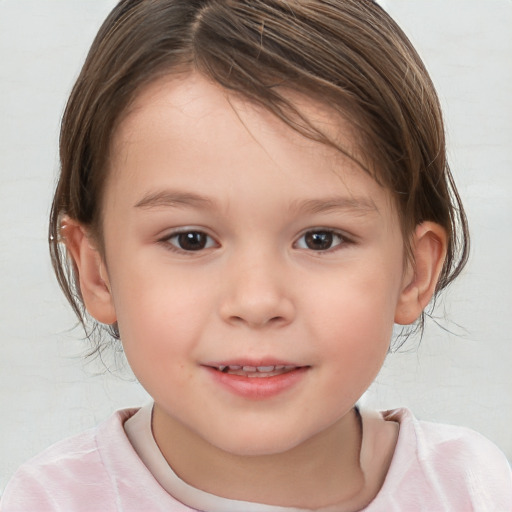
point(329, 235)
point(168, 241)
point(333, 236)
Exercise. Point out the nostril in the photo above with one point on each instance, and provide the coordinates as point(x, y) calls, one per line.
point(257, 322)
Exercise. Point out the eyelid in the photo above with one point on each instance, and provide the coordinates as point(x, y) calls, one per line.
point(166, 240)
point(344, 239)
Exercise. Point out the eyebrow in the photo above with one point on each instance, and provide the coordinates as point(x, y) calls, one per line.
point(173, 199)
point(176, 199)
point(356, 204)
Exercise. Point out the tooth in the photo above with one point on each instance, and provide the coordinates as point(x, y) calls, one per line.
point(221, 368)
point(249, 368)
point(266, 368)
point(235, 367)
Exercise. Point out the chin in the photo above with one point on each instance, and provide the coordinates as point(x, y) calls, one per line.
point(260, 442)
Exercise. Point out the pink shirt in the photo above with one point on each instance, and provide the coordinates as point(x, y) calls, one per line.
point(435, 468)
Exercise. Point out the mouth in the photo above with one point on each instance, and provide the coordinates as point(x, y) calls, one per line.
point(257, 380)
point(257, 372)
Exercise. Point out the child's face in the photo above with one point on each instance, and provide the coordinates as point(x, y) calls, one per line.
point(233, 241)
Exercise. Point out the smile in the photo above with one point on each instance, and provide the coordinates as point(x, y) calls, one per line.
point(257, 381)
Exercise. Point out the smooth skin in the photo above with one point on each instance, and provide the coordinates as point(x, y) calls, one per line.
point(230, 237)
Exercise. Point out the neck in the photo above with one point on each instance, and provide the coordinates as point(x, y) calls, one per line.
point(322, 471)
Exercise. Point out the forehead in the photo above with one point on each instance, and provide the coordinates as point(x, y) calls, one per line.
point(191, 95)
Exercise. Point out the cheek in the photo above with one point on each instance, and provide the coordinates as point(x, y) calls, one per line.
point(159, 320)
point(360, 306)
point(354, 322)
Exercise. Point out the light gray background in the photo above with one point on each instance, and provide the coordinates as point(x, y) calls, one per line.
point(46, 390)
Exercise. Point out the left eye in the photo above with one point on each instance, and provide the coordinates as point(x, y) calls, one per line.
point(321, 240)
point(191, 241)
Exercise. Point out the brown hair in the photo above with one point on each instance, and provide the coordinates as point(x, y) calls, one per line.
point(347, 53)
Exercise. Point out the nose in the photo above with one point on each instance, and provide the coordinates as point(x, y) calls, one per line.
point(257, 293)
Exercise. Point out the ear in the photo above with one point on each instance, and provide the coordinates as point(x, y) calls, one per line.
point(91, 271)
point(428, 254)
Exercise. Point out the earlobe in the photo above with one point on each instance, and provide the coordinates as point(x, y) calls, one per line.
point(429, 251)
point(91, 271)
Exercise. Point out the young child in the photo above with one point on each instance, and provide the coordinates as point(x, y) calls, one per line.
point(252, 193)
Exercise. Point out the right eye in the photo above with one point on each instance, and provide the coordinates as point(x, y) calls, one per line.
point(190, 241)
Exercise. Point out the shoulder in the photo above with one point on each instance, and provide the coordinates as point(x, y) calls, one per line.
point(448, 445)
point(80, 473)
point(453, 465)
point(96, 470)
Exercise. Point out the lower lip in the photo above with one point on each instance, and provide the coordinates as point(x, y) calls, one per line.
point(258, 388)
